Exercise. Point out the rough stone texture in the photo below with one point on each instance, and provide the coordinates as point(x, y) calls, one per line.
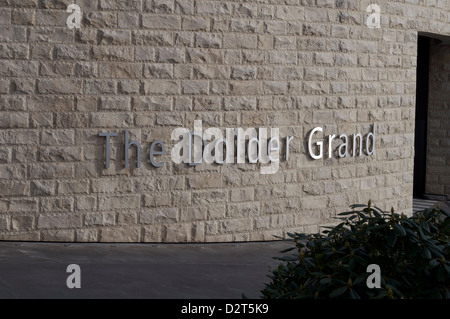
point(152, 66)
point(438, 143)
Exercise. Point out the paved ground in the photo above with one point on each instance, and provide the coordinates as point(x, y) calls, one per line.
point(421, 204)
point(38, 270)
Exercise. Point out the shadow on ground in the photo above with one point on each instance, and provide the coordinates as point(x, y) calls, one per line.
point(38, 270)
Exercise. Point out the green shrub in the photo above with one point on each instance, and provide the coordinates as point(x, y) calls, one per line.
point(412, 252)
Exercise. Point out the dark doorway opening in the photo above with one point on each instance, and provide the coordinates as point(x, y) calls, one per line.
point(420, 141)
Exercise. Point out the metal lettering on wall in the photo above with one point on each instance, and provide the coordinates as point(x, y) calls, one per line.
point(240, 145)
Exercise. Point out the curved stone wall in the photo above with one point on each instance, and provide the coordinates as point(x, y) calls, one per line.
point(147, 69)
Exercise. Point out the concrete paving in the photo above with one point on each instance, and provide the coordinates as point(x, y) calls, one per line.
point(38, 270)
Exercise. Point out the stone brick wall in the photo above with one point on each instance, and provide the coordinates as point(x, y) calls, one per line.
point(438, 135)
point(152, 66)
